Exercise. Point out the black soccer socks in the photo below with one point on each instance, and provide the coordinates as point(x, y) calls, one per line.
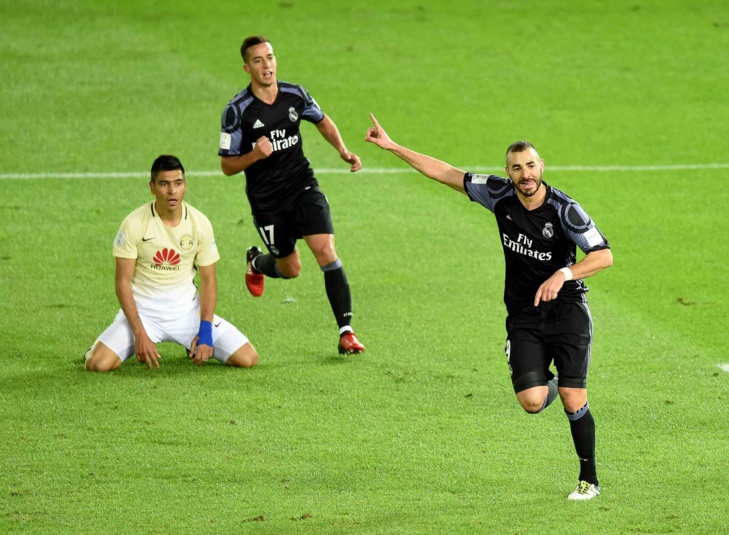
point(582, 426)
point(340, 298)
point(266, 264)
point(552, 391)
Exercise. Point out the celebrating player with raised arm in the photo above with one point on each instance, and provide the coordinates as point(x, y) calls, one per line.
point(548, 317)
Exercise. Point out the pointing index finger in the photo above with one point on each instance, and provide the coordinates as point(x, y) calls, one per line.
point(374, 121)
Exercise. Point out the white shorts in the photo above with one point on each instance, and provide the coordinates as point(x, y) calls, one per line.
point(180, 328)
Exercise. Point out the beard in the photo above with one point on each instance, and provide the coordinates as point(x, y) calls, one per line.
point(529, 193)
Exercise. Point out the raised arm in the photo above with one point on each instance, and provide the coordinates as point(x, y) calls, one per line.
point(330, 132)
point(426, 165)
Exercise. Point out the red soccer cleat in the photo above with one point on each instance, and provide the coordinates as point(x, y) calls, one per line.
point(254, 281)
point(349, 344)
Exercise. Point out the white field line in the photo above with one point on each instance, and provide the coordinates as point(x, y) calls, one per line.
point(383, 171)
point(724, 367)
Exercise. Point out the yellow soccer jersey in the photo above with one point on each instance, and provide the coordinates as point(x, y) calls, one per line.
point(166, 256)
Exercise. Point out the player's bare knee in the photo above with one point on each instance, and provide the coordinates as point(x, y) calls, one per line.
point(573, 404)
point(91, 365)
point(101, 359)
point(531, 391)
point(532, 405)
point(249, 360)
point(99, 364)
point(326, 254)
point(573, 399)
point(245, 357)
point(290, 268)
point(323, 249)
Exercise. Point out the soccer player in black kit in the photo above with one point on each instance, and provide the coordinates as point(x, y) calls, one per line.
point(260, 135)
point(547, 314)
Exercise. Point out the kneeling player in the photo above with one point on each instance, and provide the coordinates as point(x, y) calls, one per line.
point(158, 249)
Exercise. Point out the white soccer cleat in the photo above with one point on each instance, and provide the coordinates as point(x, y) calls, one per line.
point(584, 491)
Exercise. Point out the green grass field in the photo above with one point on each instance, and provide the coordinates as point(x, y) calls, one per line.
point(628, 104)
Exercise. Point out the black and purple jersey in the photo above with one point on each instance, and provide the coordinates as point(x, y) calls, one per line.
point(273, 182)
point(536, 242)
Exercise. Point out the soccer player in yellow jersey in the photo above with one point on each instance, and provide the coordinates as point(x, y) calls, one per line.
point(158, 249)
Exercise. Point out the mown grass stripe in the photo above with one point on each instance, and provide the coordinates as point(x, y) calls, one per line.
point(379, 171)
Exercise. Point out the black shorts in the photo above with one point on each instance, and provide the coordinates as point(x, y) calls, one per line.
point(308, 214)
point(559, 331)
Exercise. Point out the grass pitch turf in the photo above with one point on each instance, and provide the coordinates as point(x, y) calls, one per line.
point(422, 434)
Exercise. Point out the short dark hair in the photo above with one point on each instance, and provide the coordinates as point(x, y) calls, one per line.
point(248, 42)
point(519, 146)
point(166, 162)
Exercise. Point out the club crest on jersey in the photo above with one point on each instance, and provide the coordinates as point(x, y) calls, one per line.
point(186, 242)
point(548, 230)
point(293, 115)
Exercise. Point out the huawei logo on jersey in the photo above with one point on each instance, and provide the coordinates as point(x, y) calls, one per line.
point(167, 257)
point(166, 260)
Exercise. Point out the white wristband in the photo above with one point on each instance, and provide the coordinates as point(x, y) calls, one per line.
point(567, 272)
